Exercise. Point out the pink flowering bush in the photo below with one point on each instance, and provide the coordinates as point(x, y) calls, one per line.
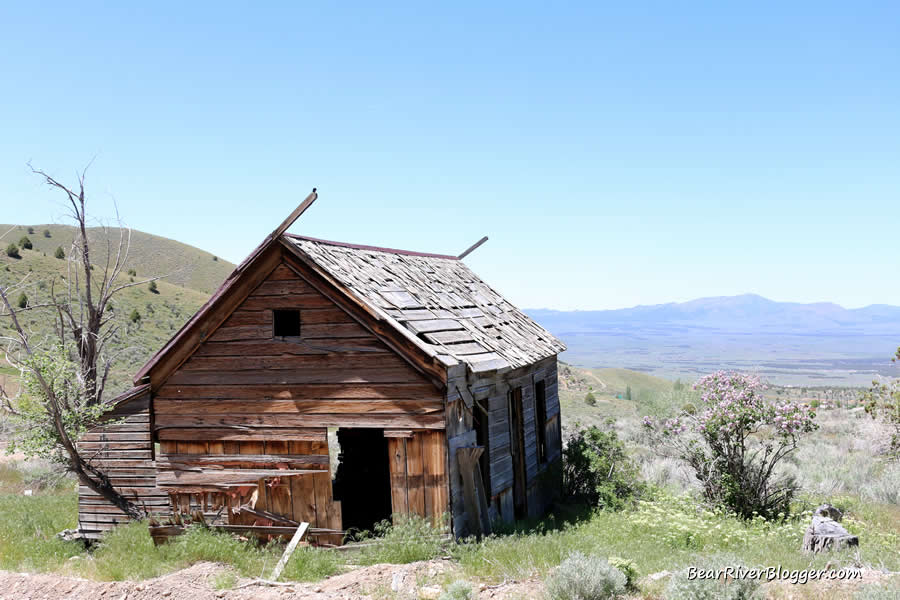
point(734, 440)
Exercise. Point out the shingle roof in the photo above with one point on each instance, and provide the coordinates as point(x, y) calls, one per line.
point(438, 299)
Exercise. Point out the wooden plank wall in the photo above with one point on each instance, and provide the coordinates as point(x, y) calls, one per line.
point(302, 498)
point(419, 475)
point(543, 480)
point(336, 374)
point(124, 451)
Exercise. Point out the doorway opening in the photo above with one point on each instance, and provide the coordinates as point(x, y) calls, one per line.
point(363, 480)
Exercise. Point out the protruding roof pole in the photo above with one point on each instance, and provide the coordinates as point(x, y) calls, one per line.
point(295, 215)
point(472, 248)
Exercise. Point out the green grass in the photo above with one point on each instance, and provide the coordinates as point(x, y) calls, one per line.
point(28, 528)
point(671, 533)
point(128, 552)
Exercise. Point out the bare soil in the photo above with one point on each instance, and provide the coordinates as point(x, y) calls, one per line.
point(414, 581)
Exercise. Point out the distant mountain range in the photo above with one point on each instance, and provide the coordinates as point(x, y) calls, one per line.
point(789, 342)
point(748, 313)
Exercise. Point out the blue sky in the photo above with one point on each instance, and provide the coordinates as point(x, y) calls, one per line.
point(616, 155)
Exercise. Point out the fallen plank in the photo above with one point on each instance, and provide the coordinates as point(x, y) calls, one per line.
point(292, 545)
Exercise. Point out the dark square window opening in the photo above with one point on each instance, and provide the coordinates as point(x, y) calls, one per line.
point(286, 323)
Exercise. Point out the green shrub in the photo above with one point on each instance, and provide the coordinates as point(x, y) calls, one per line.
point(60, 253)
point(581, 577)
point(22, 302)
point(153, 288)
point(135, 316)
point(31, 230)
point(596, 470)
point(25, 243)
point(590, 399)
point(682, 587)
point(46, 233)
point(12, 251)
point(458, 590)
point(628, 568)
point(132, 272)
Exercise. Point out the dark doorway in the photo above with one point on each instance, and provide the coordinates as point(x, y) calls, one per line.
point(517, 448)
point(363, 481)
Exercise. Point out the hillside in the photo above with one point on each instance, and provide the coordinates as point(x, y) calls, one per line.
point(786, 342)
point(610, 389)
point(151, 255)
point(191, 275)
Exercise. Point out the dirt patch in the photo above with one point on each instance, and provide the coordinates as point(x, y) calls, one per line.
point(413, 581)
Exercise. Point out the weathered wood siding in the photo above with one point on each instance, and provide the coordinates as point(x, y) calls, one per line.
point(419, 474)
point(123, 450)
point(466, 391)
point(244, 385)
point(302, 498)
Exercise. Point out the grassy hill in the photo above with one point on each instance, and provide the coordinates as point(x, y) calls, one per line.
point(610, 387)
point(151, 255)
point(191, 275)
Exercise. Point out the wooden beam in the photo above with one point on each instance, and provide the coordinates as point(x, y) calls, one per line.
point(301, 531)
point(295, 214)
point(472, 248)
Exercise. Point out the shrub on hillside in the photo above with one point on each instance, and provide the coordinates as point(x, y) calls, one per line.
point(60, 253)
point(590, 399)
point(22, 302)
point(458, 590)
point(581, 577)
point(25, 243)
point(597, 470)
point(628, 569)
point(153, 288)
point(30, 230)
point(735, 441)
point(46, 233)
point(682, 587)
point(135, 316)
point(12, 251)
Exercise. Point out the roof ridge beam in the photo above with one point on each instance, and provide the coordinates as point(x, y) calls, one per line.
point(472, 248)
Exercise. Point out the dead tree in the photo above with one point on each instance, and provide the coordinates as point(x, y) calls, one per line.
point(83, 330)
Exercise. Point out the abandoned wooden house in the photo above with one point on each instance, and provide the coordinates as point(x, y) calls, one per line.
point(439, 395)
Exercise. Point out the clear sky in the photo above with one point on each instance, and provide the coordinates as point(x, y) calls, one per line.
point(633, 153)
